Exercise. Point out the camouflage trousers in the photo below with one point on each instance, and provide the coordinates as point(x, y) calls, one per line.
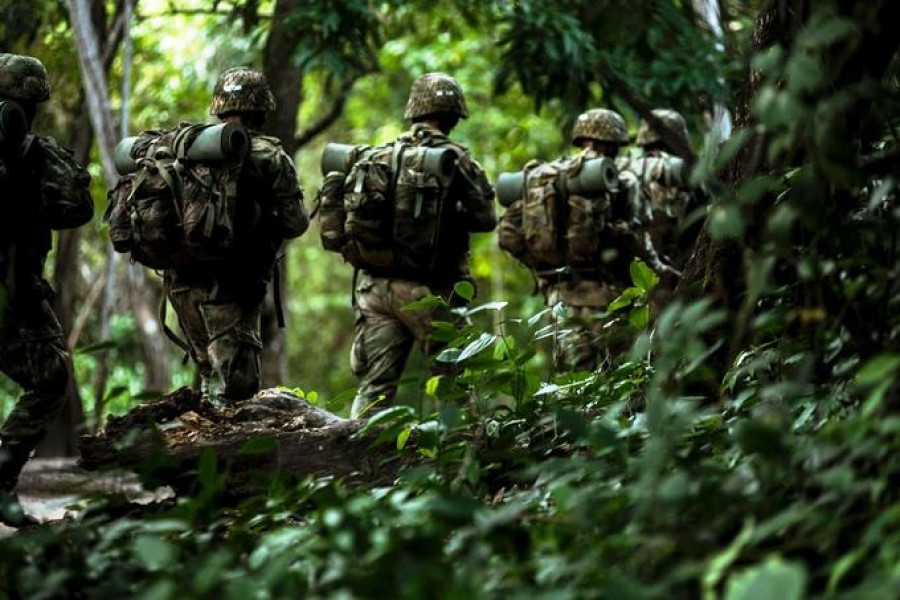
point(224, 340)
point(33, 354)
point(384, 335)
point(579, 343)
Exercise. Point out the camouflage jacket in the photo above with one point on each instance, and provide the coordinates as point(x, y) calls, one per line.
point(470, 194)
point(662, 179)
point(42, 188)
point(269, 210)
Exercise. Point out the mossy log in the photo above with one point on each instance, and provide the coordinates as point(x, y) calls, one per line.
point(275, 433)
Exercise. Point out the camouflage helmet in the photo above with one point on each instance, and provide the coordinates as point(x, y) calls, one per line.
point(241, 89)
point(435, 93)
point(23, 78)
point(600, 124)
point(673, 119)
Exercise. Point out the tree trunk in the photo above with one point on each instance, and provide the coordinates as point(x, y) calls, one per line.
point(286, 81)
point(275, 433)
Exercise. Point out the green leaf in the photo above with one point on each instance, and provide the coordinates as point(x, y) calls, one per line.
point(495, 306)
point(726, 222)
point(627, 298)
point(479, 345)
point(258, 445)
point(721, 562)
point(773, 579)
point(642, 275)
point(465, 290)
point(394, 414)
point(639, 317)
point(207, 469)
point(430, 301)
point(154, 553)
point(402, 438)
point(878, 369)
point(431, 386)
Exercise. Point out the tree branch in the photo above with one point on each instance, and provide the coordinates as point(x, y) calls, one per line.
point(675, 143)
point(333, 114)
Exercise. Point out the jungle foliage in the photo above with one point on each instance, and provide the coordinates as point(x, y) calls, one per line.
point(745, 446)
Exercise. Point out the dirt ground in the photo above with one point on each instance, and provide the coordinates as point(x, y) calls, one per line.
point(54, 488)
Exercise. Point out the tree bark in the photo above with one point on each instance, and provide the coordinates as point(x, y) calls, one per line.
point(275, 433)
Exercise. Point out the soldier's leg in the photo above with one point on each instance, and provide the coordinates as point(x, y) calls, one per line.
point(35, 358)
point(186, 302)
point(234, 349)
point(381, 345)
point(578, 345)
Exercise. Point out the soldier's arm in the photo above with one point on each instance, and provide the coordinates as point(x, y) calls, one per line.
point(477, 195)
point(289, 199)
point(639, 219)
point(66, 200)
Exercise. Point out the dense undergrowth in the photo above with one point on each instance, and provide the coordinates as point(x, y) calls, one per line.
point(607, 485)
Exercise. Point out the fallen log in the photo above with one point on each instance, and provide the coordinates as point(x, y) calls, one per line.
point(275, 433)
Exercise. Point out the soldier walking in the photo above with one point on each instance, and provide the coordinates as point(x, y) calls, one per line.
point(218, 306)
point(436, 224)
point(43, 188)
point(593, 267)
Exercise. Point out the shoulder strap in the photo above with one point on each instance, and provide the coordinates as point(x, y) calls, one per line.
point(164, 298)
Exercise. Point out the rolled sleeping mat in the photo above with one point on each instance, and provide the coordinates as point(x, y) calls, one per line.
point(13, 123)
point(335, 157)
point(439, 162)
point(596, 175)
point(122, 156)
point(219, 142)
point(510, 187)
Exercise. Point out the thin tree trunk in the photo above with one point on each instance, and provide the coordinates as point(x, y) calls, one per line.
point(286, 81)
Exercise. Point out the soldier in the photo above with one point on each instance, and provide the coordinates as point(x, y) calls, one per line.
point(663, 178)
point(43, 188)
point(219, 308)
point(586, 287)
point(384, 332)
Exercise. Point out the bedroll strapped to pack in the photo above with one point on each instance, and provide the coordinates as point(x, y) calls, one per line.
point(174, 204)
point(557, 211)
point(382, 208)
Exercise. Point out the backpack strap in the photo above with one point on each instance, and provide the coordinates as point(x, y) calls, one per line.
point(276, 290)
point(173, 337)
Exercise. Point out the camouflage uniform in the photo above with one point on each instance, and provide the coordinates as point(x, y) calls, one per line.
point(663, 181)
point(384, 333)
point(218, 308)
point(43, 188)
point(585, 291)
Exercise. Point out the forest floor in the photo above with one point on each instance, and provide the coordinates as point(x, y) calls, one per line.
point(52, 489)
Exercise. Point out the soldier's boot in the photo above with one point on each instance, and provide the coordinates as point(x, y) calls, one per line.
point(13, 456)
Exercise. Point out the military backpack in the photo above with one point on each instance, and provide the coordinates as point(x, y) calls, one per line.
point(387, 212)
point(174, 205)
point(557, 214)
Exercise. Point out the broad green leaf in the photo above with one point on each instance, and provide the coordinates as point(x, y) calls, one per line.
point(465, 290)
point(483, 342)
point(642, 275)
point(402, 438)
point(394, 414)
point(773, 579)
point(431, 386)
point(155, 553)
point(878, 370)
point(425, 303)
point(639, 317)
